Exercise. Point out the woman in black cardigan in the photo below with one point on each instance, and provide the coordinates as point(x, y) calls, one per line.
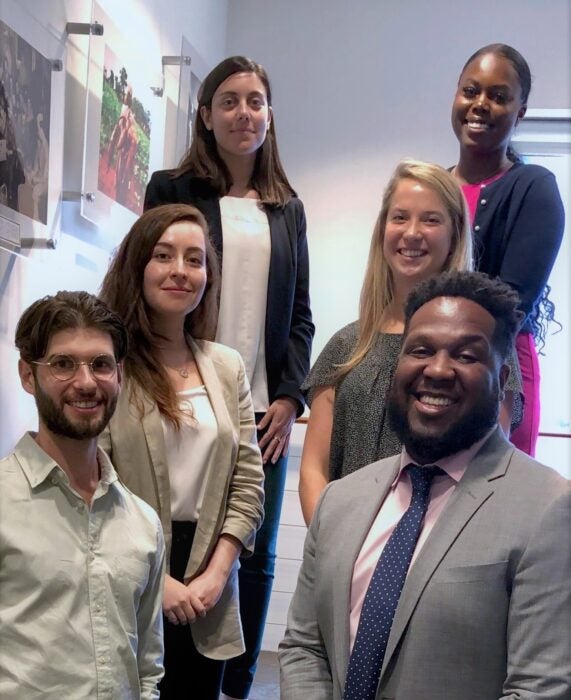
point(232, 173)
point(515, 208)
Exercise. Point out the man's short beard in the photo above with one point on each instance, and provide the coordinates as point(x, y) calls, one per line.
point(56, 421)
point(460, 436)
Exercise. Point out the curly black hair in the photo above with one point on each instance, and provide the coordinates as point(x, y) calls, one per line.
point(497, 297)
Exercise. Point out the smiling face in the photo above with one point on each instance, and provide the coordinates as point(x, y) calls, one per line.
point(449, 380)
point(418, 233)
point(175, 277)
point(488, 104)
point(78, 408)
point(239, 116)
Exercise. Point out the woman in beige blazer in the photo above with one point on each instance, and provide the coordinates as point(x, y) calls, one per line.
point(183, 437)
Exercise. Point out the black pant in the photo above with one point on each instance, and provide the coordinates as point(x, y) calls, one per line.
point(188, 674)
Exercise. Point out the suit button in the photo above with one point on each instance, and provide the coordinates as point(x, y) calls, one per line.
point(483, 202)
point(476, 228)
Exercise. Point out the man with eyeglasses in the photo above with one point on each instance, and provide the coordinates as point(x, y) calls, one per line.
point(81, 558)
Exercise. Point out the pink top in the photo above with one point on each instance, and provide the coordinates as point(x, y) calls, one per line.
point(391, 511)
point(472, 193)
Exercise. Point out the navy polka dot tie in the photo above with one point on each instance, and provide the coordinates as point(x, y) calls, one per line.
point(384, 591)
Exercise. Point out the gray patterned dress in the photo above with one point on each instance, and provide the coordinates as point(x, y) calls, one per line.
point(361, 432)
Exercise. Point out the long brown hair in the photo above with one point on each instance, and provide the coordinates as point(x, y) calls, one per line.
point(377, 292)
point(202, 159)
point(122, 290)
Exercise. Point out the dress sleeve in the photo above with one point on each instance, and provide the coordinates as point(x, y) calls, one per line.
point(514, 384)
point(335, 353)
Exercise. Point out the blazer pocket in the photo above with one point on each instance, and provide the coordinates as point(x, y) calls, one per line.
point(468, 574)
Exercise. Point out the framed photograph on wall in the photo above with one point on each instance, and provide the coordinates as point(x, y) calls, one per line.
point(124, 127)
point(31, 130)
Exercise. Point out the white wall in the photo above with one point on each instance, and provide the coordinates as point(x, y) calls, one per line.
point(81, 257)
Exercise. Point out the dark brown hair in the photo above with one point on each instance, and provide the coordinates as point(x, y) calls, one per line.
point(122, 290)
point(202, 159)
point(63, 311)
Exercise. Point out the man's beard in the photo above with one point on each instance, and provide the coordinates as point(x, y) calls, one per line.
point(56, 421)
point(460, 436)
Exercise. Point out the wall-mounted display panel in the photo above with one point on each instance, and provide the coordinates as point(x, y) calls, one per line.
point(183, 79)
point(124, 128)
point(31, 130)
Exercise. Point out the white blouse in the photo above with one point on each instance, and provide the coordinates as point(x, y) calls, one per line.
point(190, 452)
point(245, 270)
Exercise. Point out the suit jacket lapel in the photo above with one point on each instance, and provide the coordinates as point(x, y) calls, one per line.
point(368, 501)
point(475, 487)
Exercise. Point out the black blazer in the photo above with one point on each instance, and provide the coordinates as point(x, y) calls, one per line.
point(289, 328)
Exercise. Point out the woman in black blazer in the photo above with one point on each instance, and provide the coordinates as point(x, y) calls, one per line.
point(233, 174)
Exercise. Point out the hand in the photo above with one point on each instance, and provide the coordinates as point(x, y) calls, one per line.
point(207, 587)
point(180, 604)
point(278, 420)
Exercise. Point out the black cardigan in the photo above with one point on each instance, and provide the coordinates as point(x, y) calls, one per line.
point(289, 328)
point(518, 229)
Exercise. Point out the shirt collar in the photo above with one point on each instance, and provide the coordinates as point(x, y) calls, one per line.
point(37, 465)
point(454, 465)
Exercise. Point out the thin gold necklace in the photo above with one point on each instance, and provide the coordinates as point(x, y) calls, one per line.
point(183, 371)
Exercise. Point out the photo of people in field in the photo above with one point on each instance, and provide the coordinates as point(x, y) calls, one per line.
point(124, 137)
point(25, 95)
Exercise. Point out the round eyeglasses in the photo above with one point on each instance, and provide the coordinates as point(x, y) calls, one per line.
point(64, 367)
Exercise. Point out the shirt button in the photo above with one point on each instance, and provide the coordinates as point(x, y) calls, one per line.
point(483, 201)
point(476, 228)
point(101, 660)
point(53, 479)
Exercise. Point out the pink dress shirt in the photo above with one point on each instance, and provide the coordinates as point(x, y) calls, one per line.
point(391, 511)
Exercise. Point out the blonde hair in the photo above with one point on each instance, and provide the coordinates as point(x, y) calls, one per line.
point(377, 292)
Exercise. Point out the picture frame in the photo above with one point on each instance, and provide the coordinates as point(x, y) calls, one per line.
point(32, 85)
point(124, 128)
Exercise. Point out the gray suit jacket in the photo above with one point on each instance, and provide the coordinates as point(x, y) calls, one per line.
point(486, 608)
point(233, 498)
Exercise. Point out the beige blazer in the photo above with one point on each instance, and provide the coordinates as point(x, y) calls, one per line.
point(233, 499)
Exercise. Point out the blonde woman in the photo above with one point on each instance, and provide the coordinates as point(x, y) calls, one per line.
point(422, 229)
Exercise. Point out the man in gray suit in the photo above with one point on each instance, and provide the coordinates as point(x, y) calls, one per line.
point(483, 611)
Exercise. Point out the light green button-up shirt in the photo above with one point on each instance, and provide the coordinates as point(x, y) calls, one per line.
point(80, 587)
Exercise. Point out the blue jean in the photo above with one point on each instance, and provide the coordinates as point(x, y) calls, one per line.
point(256, 578)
